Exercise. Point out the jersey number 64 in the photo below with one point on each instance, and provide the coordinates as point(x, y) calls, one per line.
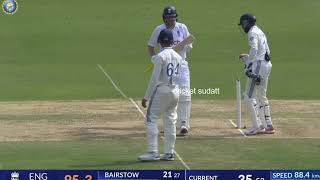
point(172, 69)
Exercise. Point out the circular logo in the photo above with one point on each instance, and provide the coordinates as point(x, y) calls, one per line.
point(9, 6)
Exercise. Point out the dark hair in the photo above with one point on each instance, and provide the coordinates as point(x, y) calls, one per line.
point(165, 37)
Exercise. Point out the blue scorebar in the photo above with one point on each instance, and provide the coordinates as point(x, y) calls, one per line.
point(160, 174)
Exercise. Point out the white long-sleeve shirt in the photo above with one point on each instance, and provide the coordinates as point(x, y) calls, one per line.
point(166, 70)
point(179, 32)
point(258, 44)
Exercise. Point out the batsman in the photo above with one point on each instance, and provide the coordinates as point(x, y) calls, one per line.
point(257, 69)
point(180, 32)
point(162, 95)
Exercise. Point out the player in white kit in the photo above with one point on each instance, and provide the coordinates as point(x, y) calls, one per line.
point(180, 32)
point(162, 95)
point(257, 69)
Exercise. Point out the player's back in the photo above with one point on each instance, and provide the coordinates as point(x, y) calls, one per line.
point(263, 47)
point(171, 63)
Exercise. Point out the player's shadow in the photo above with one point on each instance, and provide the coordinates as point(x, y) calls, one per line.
point(120, 163)
point(96, 133)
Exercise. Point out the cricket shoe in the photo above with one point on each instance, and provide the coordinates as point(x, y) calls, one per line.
point(254, 131)
point(184, 131)
point(149, 156)
point(167, 157)
point(261, 130)
point(269, 130)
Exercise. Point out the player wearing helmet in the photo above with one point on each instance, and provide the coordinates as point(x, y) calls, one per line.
point(180, 32)
point(257, 69)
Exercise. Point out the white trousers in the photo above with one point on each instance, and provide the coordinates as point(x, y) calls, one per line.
point(163, 102)
point(184, 104)
point(256, 95)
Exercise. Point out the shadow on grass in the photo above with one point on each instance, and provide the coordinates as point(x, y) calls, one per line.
point(118, 163)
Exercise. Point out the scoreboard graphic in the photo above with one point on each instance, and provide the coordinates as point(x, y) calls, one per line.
point(160, 174)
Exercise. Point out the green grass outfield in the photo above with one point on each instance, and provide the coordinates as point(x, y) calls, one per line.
point(50, 51)
point(122, 154)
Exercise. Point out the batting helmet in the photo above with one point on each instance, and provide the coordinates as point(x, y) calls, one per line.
point(247, 21)
point(169, 11)
point(165, 37)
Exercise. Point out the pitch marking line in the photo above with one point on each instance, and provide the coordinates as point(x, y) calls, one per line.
point(285, 137)
point(237, 128)
point(136, 105)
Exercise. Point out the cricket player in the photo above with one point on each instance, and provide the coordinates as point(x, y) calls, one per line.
point(257, 69)
point(180, 32)
point(162, 95)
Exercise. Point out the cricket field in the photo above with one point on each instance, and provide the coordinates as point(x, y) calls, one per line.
point(59, 109)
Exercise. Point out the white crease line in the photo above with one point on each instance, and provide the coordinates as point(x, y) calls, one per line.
point(136, 105)
point(139, 109)
point(285, 137)
point(112, 82)
point(237, 128)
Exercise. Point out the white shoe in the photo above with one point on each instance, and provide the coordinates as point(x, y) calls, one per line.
point(184, 131)
point(261, 130)
point(252, 131)
point(269, 130)
point(167, 157)
point(149, 156)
